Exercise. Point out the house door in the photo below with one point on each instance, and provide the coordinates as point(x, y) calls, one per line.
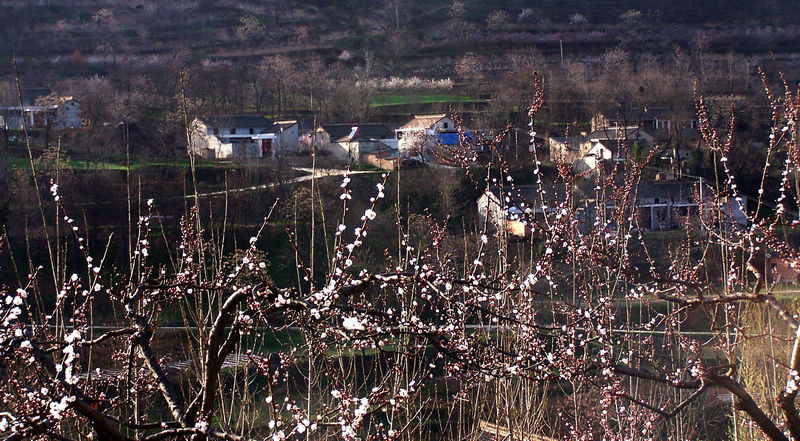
point(266, 148)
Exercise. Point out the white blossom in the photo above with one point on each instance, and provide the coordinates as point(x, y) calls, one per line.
point(353, 324)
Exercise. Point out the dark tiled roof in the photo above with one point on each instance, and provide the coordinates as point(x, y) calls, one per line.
point(305, 125)
point(673, 190)
point(279, 127)
point(341, 132)
point(29, 95)
point(627, 116)
point(634, 116)
point(616, 134)
point(237, 121)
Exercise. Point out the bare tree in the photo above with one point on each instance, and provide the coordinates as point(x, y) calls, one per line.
point(498, 20)
point(250, 30)
point(100, 109)
point(7, 105)
point(107, 25)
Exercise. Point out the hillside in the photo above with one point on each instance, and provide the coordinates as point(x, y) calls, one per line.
point(90, 36)
point(377, 61)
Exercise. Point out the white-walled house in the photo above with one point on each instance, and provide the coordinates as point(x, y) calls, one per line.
point(608, 146)
point(68, 113)
point(287, 134)
point(429, 124)
point(349, 141)
point(568, 149)
point(42, 108)
point(443, 129)
point(439, 125)
point(511, 212)
point(233, 136)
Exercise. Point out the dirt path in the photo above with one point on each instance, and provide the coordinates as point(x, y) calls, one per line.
point(320, 173)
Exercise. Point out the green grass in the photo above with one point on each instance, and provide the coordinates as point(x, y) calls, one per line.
point(21, 162)
point(78, 164)
point(395, 100)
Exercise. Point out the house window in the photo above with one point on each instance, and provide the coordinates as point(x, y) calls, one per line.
point(445, 125)
point(216, 130)
point(233, 130)
point(655, 200)
point(251, 130)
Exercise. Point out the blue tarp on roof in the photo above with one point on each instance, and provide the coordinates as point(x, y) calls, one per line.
point(451, 138)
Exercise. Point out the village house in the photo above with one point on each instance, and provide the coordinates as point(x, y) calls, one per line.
point(568, 149)
point(674, 131)
point(672, 204)
point(507, 211)
point(609, 146)
point(350, 142)
point(660, 205)
point(234, 136)
point(42, 108)
point(659, 121)
point(439, 125)
point(429, 124)
point(441, 131)
point(287, 135)
point(666, 205)
point(781, 270)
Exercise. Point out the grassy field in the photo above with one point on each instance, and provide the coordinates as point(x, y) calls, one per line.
point(396, 100)
point(21, 162)
point(24, 163)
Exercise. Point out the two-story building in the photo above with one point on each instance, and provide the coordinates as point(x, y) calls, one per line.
point(670, 204)
point(658, 121)
point(675, 131)
point(659, 205)
point(41, 108)
point(233, 136)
